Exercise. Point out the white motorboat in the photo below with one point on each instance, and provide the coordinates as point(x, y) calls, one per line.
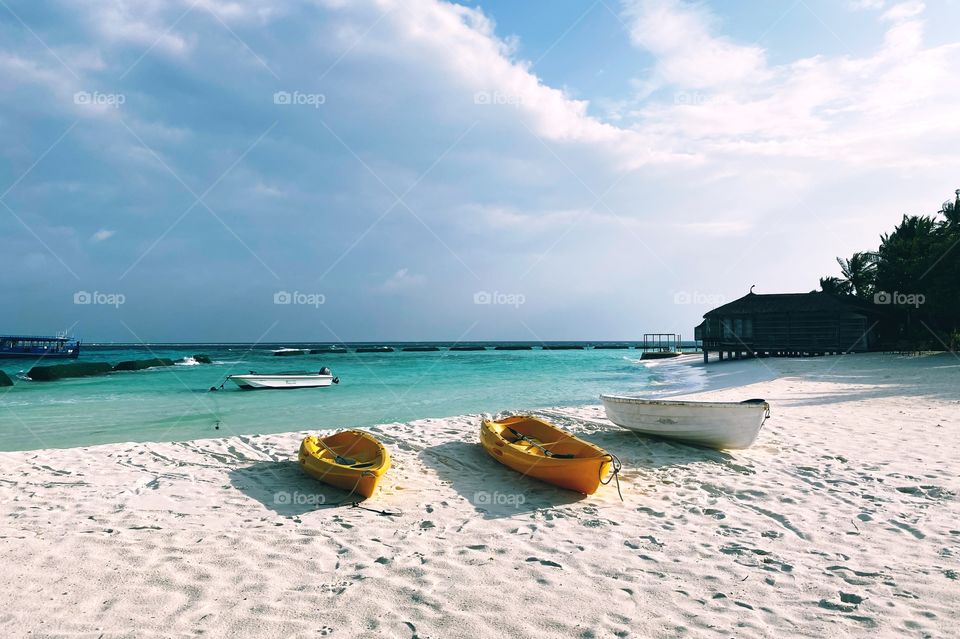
point(293, 379)
point(712, 424)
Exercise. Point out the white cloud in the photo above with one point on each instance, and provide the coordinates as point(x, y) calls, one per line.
point(904, 11)
point(139, 22)
point(403, 280)
point(101, 235)
point(866, 5)
point(687, 51)
point(460, 47)
point(864, 111)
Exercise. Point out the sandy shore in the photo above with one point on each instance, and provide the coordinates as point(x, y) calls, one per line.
point(842, 520)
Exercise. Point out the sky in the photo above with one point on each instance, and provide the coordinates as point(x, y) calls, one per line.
point(374, 170)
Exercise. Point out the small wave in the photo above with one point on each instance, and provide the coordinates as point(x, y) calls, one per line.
point(187, 361)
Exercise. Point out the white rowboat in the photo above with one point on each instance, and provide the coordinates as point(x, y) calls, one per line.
point(712, 424)
point(285, 380)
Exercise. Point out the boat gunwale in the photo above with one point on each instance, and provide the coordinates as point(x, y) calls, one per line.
point(600, 453)
point(639, 401)
point(290, 375)
point(380, 461)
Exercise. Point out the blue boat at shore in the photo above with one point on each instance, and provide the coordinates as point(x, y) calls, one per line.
point(39, 347)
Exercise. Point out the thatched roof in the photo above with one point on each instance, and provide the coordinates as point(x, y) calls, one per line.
point(816, 302)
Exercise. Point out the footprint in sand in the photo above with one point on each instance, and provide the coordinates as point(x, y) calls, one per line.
point(544, 562)
point(906, 527)
point(854, 577)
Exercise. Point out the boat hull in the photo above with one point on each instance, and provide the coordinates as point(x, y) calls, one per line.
point(721, 425)
point(362, 447)
point(581, 474)
point(281, 381)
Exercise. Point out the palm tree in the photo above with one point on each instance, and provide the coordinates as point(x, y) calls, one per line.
point(834, 286)
point(951, 210)
point(859, 272)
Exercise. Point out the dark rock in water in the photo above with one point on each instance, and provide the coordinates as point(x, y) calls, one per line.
point(420, 349)
point(374, 349)
point(327, 349)
point(562, 347)
point(141, 364)
point(468, 348)
point(610, 347)
point(5, 379)
point(289, 352)
point(513, 348)
point(202, 358)
point(64, 371)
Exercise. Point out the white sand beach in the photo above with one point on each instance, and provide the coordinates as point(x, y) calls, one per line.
point(842, 520)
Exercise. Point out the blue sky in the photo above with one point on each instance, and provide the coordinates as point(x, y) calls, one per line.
point(593, 170)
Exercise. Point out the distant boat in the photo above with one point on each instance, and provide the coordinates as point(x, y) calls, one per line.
point(38, 347)
point(292, 379)
point(712, 424)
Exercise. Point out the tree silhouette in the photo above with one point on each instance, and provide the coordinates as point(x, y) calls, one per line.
point(860, 273)
point(919, 261)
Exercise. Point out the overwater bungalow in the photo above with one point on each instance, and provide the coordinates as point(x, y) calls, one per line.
point(788, 324)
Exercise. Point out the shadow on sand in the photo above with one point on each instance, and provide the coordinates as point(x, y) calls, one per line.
point(494, 490)
point(284, 488)
point(638, 451)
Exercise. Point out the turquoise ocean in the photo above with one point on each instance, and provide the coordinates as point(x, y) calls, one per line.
point(175, 403)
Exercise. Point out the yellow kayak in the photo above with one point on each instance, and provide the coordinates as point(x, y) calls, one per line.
point(352, 460)
point(541, 450)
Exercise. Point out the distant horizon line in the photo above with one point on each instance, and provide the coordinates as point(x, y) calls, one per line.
point(380, 342)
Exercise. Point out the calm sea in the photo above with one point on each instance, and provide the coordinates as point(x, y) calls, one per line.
point(171, 404)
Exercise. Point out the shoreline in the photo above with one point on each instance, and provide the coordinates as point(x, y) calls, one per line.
point(173, 403)
point(841, 519)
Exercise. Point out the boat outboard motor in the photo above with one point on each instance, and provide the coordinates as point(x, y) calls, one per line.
point(324, 371)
